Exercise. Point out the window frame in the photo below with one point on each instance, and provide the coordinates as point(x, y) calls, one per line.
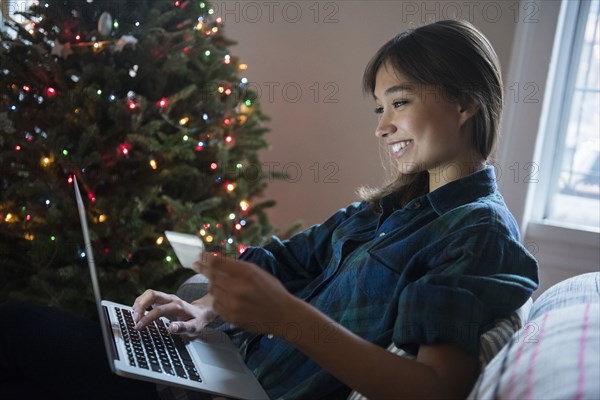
point(529, 139)
point(560, 94)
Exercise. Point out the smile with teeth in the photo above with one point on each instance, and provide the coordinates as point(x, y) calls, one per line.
point(399, 146)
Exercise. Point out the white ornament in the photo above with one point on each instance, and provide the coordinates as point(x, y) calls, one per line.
point(124, 41)
point(61, 50)
point(133, 71)
point(105, 24)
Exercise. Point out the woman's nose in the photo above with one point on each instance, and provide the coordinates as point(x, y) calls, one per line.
point(385, 127)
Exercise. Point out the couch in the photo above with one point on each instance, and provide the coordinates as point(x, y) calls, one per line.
point(556, 353)
point(548, 349)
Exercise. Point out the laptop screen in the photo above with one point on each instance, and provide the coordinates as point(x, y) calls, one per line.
point(103, 318)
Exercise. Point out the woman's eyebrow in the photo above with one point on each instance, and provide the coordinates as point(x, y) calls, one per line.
point(395, 89)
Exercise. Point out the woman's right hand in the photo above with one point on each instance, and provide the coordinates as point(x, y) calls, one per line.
point(186, 318)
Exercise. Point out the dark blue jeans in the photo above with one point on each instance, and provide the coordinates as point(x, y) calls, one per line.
point(46, 353)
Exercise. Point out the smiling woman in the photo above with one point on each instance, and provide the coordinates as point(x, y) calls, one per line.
point(415, 261)
point(461, 71)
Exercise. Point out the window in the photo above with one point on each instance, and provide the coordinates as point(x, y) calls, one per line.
point(567, 152)
point(574, 192)
point(549, 150)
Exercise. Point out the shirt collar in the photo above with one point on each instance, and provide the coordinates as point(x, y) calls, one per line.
point(464, 190)
point(451, 195)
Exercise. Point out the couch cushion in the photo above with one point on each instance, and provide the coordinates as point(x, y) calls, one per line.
point(193, 288)
point(493, 340)
point(554, 356)
point(579, 289)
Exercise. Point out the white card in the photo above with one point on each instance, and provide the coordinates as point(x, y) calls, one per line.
point(188, 248)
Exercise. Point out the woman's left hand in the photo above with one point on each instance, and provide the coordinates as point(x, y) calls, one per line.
point(245, 295)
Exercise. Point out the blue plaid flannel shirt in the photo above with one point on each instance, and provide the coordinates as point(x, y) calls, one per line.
point(439, 270)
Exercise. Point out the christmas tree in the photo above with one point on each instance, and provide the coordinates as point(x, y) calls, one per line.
point(142, 102)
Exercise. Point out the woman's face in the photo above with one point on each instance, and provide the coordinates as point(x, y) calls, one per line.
point(423, 128)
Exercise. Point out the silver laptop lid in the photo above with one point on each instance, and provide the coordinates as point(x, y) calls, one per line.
point(89, 253)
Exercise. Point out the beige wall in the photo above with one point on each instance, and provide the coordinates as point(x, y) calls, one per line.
point(323, 136)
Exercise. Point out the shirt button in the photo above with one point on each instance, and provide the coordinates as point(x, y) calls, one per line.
point(270, 336)
point(417, 205)
point(382, 234)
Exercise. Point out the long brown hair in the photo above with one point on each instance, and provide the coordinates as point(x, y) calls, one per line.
point(455, 56)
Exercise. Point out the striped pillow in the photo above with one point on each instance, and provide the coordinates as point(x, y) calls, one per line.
point(584, 288)
point(555, 356)
point(492, 341)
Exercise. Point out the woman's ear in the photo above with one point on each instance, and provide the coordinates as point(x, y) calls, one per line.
point(468, 108)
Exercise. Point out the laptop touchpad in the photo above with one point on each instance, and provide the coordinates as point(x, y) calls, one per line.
point(217, 357)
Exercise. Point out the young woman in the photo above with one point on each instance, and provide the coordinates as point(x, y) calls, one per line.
point(427, 262)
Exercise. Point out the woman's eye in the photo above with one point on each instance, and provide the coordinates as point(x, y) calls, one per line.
point(395, 104)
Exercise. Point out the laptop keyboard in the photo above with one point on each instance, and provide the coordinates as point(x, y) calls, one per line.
point(154, 348)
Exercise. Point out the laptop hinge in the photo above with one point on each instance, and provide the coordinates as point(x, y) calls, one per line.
point(106, 320)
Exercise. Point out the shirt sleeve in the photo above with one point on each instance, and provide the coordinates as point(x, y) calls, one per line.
point(475, 276)
point(305, 255)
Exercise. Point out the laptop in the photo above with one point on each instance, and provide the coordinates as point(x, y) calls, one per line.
point(210, 363)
